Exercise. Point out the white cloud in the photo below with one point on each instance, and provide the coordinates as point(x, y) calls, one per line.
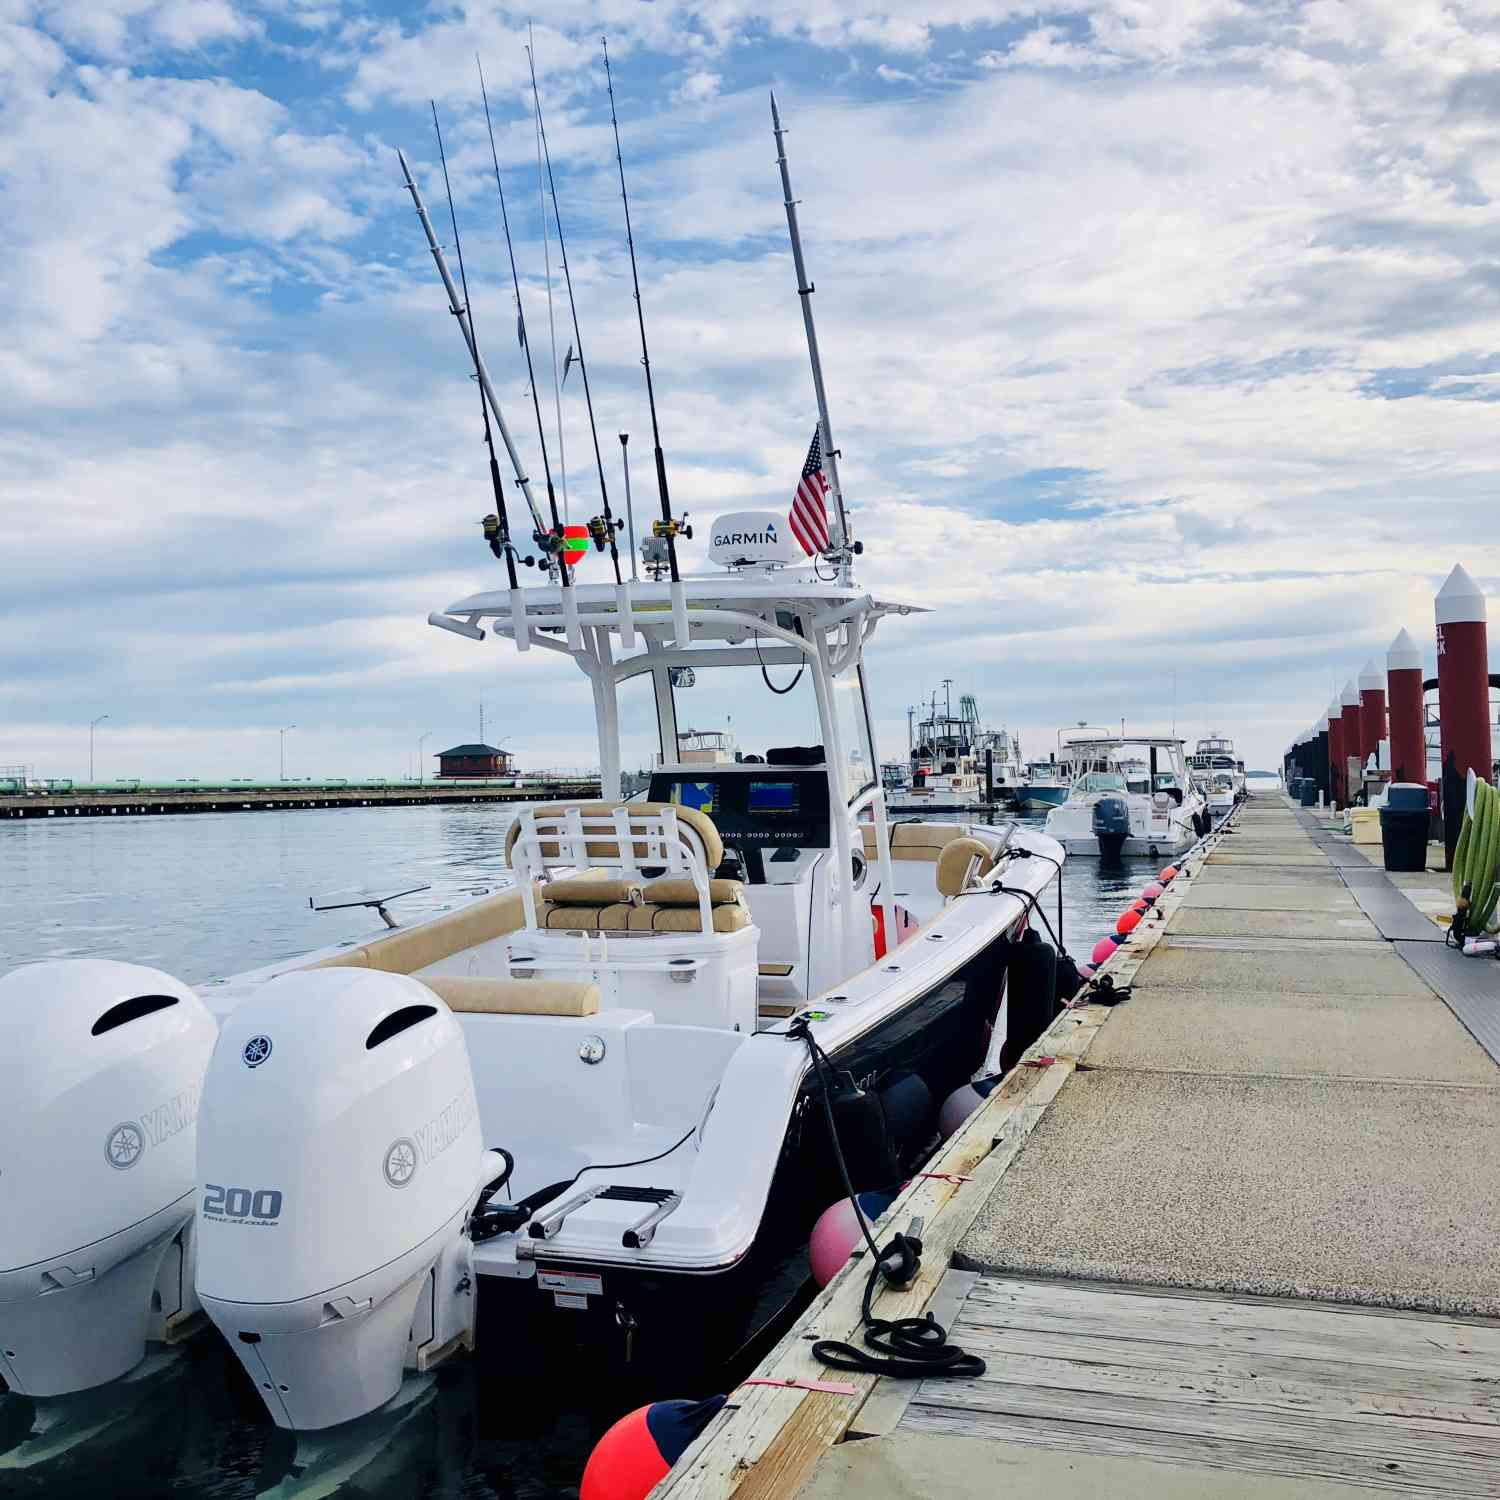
point(1108, 346)
point(699, 86)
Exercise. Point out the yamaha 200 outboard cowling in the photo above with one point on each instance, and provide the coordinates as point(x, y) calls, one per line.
point(100, 1068)
point(1111, 825)
point(339, 1159)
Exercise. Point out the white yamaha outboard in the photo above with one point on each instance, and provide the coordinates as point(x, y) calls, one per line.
point(339, 1157)
point(100, 1069)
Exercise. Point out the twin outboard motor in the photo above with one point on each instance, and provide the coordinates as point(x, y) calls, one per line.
point(339, 1157)
point(1111, 825)
point(100, 1069)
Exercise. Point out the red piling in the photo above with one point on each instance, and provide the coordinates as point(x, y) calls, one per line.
point(1463, 693)
point(1335, 754)
point(1349, 702)
point(1403, 666)
point(1371, 710)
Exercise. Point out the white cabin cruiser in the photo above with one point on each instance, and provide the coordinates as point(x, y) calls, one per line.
point(1219, 772)
point(1144, 803)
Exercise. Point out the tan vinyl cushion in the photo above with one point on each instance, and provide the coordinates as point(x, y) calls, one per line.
point(614, 918)
point(686, 918)
point(586, 891)
point(915, 841)
point(607, 848)
point(411, 948)
point(923, 840)
point(955, 861)
point(684, 893)
point(516, 997)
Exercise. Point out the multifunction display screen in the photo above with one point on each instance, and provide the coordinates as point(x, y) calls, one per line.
point(789, 808)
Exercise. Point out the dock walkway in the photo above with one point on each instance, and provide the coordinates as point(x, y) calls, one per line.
point(1241, 1239)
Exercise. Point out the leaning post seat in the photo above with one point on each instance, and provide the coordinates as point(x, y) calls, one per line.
point(623, 895)
point(650, 869)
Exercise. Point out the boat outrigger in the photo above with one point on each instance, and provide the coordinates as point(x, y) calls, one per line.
point(590, 1101)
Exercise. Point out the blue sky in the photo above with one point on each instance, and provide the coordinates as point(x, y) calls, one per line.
point(1162, 339)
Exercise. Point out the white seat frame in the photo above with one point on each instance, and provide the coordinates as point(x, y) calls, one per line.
point(672, 845)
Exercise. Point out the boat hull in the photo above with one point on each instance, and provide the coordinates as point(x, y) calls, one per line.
point(682, 1326)
point(1041, 798)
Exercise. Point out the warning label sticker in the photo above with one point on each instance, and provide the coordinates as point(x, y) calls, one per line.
point(580, 1283)
point(567, 1299)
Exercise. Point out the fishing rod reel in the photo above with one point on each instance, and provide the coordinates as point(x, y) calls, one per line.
point(669, 531)
point(500, 542)
point(603, 530)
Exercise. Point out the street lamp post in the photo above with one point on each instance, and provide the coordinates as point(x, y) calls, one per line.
point(289, 728)
point(421, 764)
point(93, 725)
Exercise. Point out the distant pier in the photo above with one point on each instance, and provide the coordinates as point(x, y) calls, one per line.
point(195, 797)
point(1234, 1237)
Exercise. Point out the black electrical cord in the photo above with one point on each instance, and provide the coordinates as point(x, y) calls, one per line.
point(486, 1221)
point(779, 691)
point(906, 1348)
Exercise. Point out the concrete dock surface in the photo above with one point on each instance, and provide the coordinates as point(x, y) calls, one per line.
point(1252, 1246)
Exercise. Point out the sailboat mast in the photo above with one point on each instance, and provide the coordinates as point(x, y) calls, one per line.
point(842, 539)
point(461, 313)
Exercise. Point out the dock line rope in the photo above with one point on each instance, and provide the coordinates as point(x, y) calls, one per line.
point(905, 1348)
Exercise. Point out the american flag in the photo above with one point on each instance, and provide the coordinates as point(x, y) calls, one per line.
point(809, 512)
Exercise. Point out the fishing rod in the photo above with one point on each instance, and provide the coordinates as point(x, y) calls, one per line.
point(496, 527)
point(667, 529)
point(541, 199)
point(551, 543)
point(460, 311)
point(843, 547)
point(601, 528)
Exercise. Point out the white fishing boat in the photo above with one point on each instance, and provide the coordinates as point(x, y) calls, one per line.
point(1133, 796)
point(1004, 767)
point(1218, 772)
point(590, 1103)
point(1043, 787)
point(707, 747)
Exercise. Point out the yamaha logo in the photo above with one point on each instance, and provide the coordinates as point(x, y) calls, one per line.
point(400, 1162)
point(124, 1145)
point(256, 1051)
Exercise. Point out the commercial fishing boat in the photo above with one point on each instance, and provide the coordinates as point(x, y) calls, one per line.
point(1131, 796)
point(952, 758)
point(589, 1104)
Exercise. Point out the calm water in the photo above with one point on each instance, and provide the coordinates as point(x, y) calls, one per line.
point(207, 895)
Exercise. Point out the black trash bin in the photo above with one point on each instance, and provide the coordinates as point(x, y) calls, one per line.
point(1309, 792)
point(1403, 826)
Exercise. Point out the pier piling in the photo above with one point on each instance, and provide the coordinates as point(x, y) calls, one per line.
point(1403, 666)
point(1463, 693)
point(1371, 711)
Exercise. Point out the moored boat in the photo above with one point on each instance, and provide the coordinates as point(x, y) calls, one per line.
point(1134, 798)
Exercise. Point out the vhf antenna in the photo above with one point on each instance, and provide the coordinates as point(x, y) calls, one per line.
point(667, 529)
point(551, 545)
point(496, 527)
point(601, 528)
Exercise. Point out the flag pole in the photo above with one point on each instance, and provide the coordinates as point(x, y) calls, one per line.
point(843, 545)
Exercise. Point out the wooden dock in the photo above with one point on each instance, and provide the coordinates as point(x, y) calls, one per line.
point(1237, 1236)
